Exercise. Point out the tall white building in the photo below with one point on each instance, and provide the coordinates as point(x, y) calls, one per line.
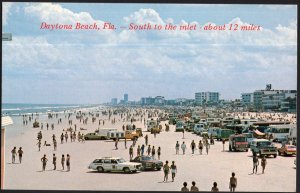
point(202, 97)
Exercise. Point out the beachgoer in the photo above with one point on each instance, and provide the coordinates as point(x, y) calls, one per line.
point(142, 149)
point(200, 146)
point(207, 146)
point(149, 150)
point(20, 152)
point(166, 168)
point(138, 153)
point(173, 170)
point(158, 153)
point(263, 164)
point(44, 161)
point(62, 138)
point(255, 163)
point(66, 137)
point(153, 152)
point(232, 182)
point(131, 152)
point(183, 147)
point(54, 161)
point(223, 142)
point(193, 145)
point(116, 143)
point(183, 134)
point(68, 162)
point(63, 161)
point(194, 188)
point(177, 147)
point(39, 144)
point(146, 139)
point(185, 188)
point(215, 187)
point(13, 154)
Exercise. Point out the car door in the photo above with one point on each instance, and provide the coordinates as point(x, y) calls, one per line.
point(97, 163)
point(107, 165)
point(114, 165)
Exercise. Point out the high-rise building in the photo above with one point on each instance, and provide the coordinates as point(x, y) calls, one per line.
point(247, 98)
point(204, 97)
point(125, 98)
point(114, 101)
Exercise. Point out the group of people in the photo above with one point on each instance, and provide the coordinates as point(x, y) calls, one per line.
point(141, 151)
point(194, 188)
point(256, 163)
point(14, 152)
point(193, 146)
point(64, 160)
point(167, 168)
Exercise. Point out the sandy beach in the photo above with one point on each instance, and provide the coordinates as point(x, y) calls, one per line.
point(280, 174)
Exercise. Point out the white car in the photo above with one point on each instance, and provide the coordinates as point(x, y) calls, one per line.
point(114, 164)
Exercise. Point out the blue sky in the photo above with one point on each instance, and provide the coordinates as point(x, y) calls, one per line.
point(42, 66)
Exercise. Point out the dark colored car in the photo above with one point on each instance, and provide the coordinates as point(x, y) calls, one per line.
point(148, 163)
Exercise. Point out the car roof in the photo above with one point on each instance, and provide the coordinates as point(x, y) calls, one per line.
point(110, 158)
point(261, 140)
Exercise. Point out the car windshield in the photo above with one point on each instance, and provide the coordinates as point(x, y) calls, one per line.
point(146, 158)
point(121, 160)
point(240, 139)
point(264, 143)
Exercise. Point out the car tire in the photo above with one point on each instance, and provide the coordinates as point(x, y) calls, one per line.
point(100, 169)
point(230, 149)
point(275, 155)
point(86, 138)
point(102, 138)
point(126, 170)
point(159, 168)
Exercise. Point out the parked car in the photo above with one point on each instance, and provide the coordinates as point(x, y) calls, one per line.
point(93, 136)
point(238, 143)
point(179, 126)
point(148, 162)
point(114, 164)
point(224, 134)
point(199, 128)
point(263, 147)
point(287, 150)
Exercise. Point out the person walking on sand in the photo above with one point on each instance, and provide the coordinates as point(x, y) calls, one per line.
point(194, 188)
point(183, 134)
point(255, 163)
point(20, 152)
point(146, 140)
point(125, 143)
point(215, 187)
point(63, 161)
point(54, 161)
point(263, 163)
point(200, 146)
point(149, 150)
point(116, 143)
point(153, 152)
point(166, 168)
point(177, 147)
point(223, 142)
point(183, 147)
point(138, 152)
point(158, 153)
point(142, 149)
point(232, 182)
point(184, 188)
point(66, 137)
point(131, 152)
point(55, 145)
point(68, 162)
point(207, 146)
point(39, 144)
point(173, 170)
point(44, 161)
point(193, 145)
point(62, 138)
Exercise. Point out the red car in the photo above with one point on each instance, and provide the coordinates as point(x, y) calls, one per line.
point(287, 150)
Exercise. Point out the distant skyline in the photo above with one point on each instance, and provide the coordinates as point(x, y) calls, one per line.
point(91, 67)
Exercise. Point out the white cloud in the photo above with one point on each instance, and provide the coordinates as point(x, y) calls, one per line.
point(6, 6)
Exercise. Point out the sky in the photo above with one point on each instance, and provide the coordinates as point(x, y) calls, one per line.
point(91, 66)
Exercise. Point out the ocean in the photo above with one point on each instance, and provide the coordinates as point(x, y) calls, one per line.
point(16, 109)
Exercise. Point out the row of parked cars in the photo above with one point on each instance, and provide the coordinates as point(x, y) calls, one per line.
point(118, 164)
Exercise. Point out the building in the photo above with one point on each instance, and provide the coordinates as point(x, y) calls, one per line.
point(247, 98)
point(206, 97)
point(159, 100)
point(274, 100)
point(125, 98)
point(147, 101)
point(114, 101)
